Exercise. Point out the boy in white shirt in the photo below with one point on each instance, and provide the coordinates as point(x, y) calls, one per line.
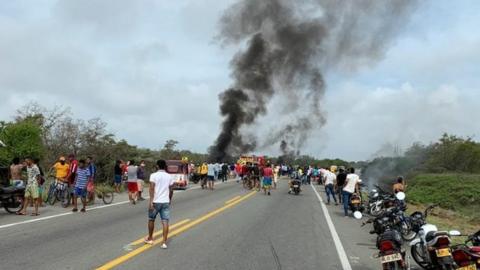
point(350, 187)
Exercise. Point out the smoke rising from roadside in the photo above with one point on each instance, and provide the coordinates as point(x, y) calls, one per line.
point(288, 47)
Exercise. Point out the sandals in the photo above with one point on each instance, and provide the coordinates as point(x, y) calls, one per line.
point(74, 210)
point(82, 210)
point(148, 242)
point(21, 214)
point(35, 214)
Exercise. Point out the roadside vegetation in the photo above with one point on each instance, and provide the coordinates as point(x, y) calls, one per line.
point(446, 172)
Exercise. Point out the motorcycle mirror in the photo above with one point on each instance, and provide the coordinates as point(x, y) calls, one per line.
point(454, 233)
point(357, 215)
point(400, 196)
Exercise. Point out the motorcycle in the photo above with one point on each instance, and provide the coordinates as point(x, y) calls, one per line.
point(295, 187)
point(467, 256)
point(389, 240)
point(431, 249)
point(379, 201)
point(11, 198)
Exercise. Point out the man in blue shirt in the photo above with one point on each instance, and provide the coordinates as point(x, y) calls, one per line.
point(82, 177)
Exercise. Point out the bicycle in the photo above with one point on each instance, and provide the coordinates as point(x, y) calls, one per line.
point(103, 193)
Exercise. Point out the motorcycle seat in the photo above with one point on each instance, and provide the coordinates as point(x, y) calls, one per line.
point(9, 189)
point(475, 249)
point(431, 235)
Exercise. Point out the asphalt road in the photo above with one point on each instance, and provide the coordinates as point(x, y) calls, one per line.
point(251, 231)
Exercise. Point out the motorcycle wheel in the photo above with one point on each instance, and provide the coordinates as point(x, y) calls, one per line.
point(297, 191)
point(13, 204)
point(376, 211)
point(416, 251)
point(406, 232)
point(448, 267)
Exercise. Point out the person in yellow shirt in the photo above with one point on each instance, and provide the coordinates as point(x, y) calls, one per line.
point(203, 174)
point(61, 169)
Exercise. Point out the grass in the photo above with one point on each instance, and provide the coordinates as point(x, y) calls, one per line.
point(459, 193)
point(458, 196)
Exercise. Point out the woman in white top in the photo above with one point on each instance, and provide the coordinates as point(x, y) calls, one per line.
point(351, 186)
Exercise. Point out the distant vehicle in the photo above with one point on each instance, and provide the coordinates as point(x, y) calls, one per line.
point(260, 160)
point(179, 171)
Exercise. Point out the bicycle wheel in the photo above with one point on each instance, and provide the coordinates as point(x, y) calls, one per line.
point(66, 198)
point(107, 197)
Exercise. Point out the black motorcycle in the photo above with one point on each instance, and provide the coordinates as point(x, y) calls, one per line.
point(295, 187)
point(11, 198)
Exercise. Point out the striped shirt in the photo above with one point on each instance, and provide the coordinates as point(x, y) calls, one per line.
point(82, 178)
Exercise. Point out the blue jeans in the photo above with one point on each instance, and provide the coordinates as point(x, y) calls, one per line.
point(346, 201)
point(329, 190)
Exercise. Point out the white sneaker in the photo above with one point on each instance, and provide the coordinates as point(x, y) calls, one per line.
point(163, 246)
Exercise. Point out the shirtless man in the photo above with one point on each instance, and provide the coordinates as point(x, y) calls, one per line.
point(16, 172)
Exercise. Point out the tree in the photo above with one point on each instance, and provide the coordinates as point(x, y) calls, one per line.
point(22, 139)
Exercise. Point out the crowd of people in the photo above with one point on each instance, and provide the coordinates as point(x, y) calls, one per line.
point(78, 175)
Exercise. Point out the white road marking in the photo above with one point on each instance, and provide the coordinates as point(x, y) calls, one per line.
point(338, 244)
point(88, 209)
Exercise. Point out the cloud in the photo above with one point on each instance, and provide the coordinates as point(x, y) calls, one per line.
point(361, 121)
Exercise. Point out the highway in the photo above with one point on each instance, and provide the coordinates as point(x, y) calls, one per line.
point(228, 228)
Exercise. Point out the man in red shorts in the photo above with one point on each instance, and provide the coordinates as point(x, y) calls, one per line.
point(132, 181)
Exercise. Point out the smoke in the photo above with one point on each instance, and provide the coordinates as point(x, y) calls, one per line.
point(288, 47)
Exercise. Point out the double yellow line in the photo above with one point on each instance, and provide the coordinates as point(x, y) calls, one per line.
point(177, 230)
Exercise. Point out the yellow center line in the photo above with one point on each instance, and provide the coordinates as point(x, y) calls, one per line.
point(233, 199)
point(176, 225)
point(178, 231)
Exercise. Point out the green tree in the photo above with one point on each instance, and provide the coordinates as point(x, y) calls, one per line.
point(22, 139)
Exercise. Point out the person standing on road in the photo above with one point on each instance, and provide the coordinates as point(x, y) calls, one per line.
point(330, 185)
point(83, 175)
point(31, 190)
point(211, 175)
point(41, 182)
point(72, 173)
point(132, 183)
point(276, 173)
point(117, 170)
point(267, 179)
point(203, 174)
point(224, 172)
point(350, 187)
point(141, 179)
point(161, 194)
point(16, 173)
point(341, 178)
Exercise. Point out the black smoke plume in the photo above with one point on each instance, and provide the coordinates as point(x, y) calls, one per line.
point(288, 45)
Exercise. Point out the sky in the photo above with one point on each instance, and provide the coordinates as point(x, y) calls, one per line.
point(153, 70)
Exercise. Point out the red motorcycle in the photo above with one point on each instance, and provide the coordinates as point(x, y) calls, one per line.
point(467, 256)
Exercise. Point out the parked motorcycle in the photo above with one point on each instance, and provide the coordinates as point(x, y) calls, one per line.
point(431, 249)
point(467, 256)
point(11, 198)
point(389, 240)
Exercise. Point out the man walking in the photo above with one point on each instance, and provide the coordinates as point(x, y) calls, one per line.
point(161, 193)
point(351, 186)
point(211, 175)
point(132, 182)
point(330, 183)
point(341, 178)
